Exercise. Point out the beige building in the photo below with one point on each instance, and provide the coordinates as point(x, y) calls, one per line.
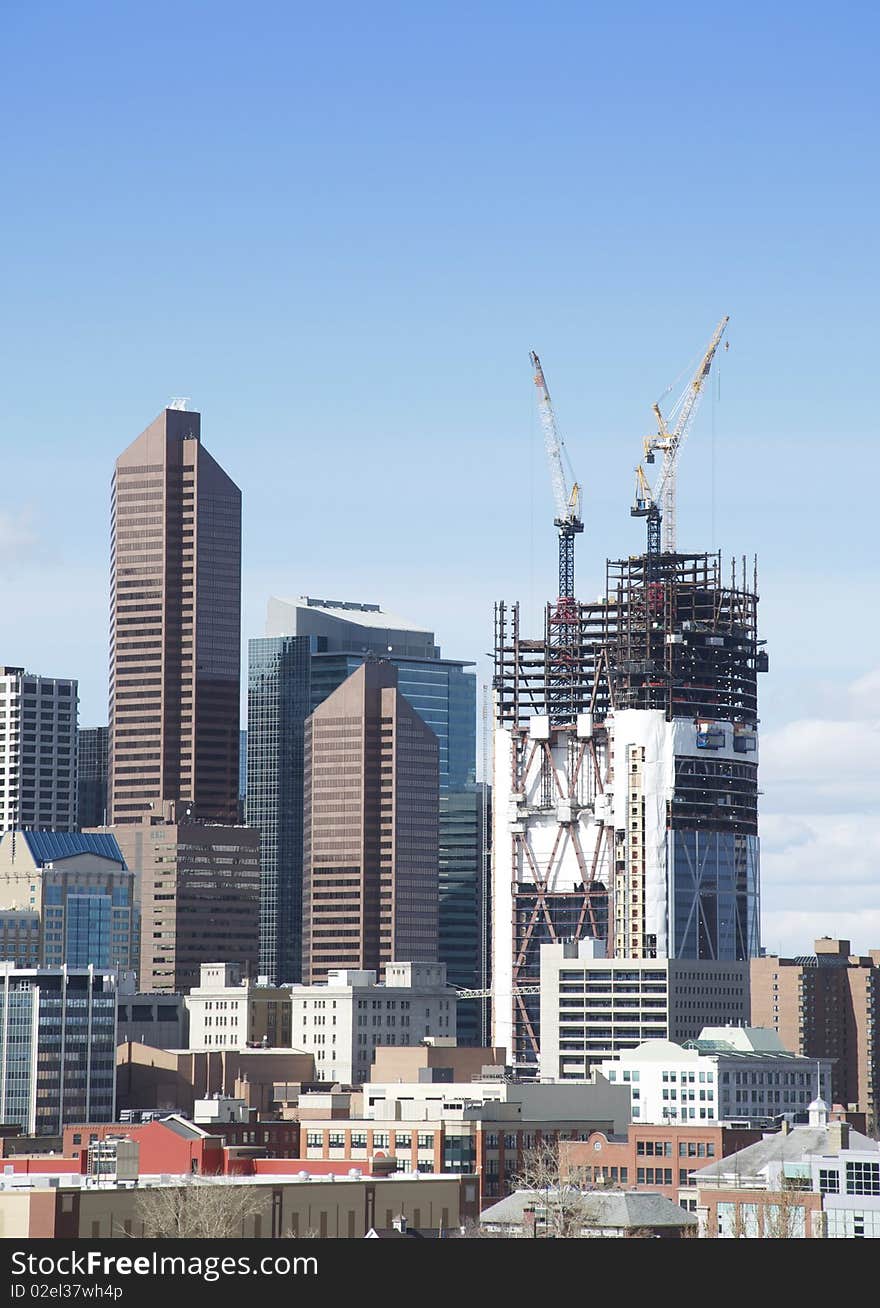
point(827, 1005)
point(371, 862)
point(175, 626)
point(328, 1207)
point(173, 1079)
point(228, 1012)
point(83, 893)
point(342, 1020)
point(434, 1061)
point(199, 892)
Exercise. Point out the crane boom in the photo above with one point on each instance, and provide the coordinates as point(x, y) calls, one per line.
point(567, 501)
point(661, 503)
point(552, 443)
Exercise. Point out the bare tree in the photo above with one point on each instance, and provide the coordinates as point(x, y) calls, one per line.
point(197, 1210)
point(783, 1219)
point(565, 1207)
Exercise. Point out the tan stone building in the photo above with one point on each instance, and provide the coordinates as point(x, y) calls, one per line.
point(173, 1079)
point(371, 862)
point(827, 1005)
point(328, 1207)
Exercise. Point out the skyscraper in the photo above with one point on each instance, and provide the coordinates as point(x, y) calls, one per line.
point(278, 705)
point(92, 752)
point(37, 751)
point(626, 778)
point(341, 635)
point(175, 626)
point(370, 892)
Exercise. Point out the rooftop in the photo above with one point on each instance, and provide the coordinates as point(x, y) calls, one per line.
point(55, 846)
point(793, 1146)
point(363, 615)
point(614, 1209)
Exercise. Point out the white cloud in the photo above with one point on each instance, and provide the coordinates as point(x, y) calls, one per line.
point(793, 931)
point(820, 825)
point(865, 694)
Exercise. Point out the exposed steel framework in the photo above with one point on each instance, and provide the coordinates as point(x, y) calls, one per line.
point(678, 639)
point(669, 635)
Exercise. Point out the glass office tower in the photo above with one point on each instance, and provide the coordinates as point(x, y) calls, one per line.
point(278, 705)
point(341, 636)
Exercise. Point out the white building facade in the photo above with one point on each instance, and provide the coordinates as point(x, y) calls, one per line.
point(730, 1074)
point(595, 1008)
point(343, 1020)
point(38, 720)
point(229, 1012)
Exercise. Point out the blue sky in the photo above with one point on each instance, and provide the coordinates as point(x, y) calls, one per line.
point(341, 228)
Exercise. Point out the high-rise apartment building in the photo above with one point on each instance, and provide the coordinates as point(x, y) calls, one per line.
point(92, 754)
point(278, 705)
point(175, 626)
point(78, 885)
point(370, 892)
point(593, 1008)
point(827, 1005)
point(37, 751)
point(199, 896)
point(57, 1047)
point(340, 636)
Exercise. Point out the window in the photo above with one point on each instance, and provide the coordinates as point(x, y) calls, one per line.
point(829, 1181)
point(863, 1178)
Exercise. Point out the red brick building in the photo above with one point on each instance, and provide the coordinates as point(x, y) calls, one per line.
point(657, 1158)
point(177, 1146)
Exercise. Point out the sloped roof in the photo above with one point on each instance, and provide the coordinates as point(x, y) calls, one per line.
point(376, 617)
point(183, 1127)
point(612, 1209)
point(800, 1143)
point(54, 846)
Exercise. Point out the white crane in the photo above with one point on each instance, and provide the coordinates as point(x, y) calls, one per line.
point(661, 502)
point(568, 503)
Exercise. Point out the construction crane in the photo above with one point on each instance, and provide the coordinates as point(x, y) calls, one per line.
point(568, 502)
point(487, 993)
point(659, 504)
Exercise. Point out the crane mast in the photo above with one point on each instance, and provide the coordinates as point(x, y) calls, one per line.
point(660, 504)
point(567, 502)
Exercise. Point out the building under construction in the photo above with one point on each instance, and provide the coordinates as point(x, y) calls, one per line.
point(626, 753)
point(626, 777)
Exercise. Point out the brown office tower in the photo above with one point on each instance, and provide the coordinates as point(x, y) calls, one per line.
point(199, 896)
point(827, 1005)
point(370, 884)
point(175, 626)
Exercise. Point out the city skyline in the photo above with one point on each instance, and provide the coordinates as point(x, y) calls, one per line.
point(384, 275)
